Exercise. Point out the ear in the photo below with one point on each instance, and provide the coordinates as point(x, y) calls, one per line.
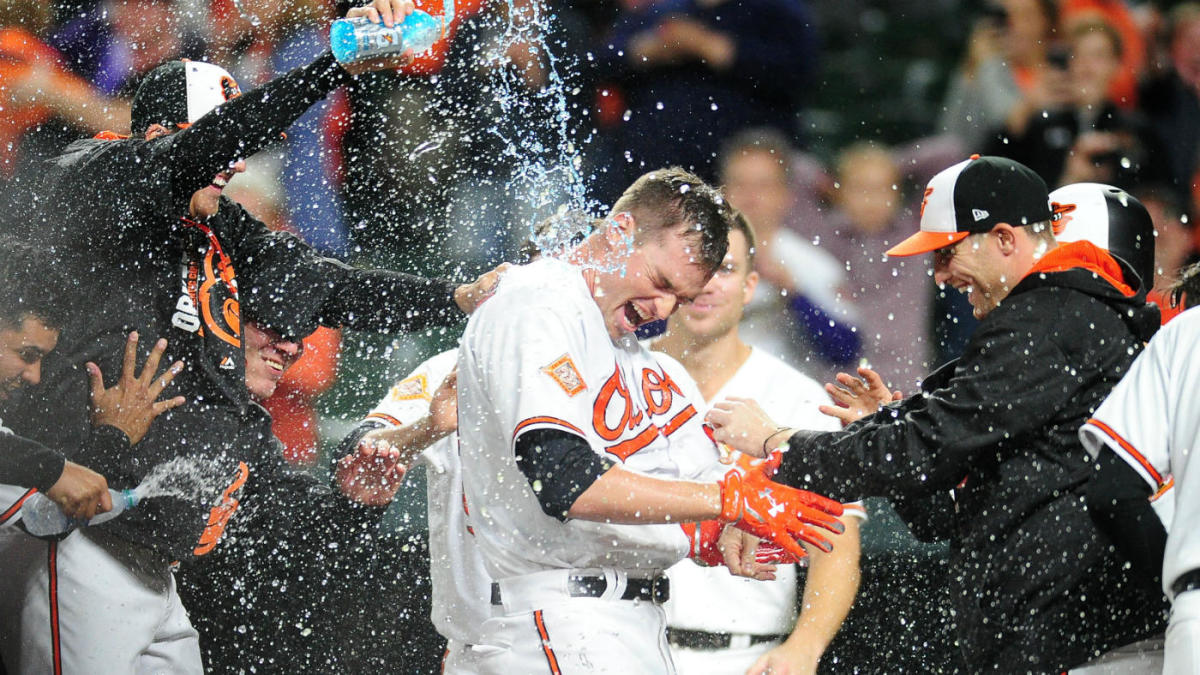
point(623, 223)
point(749, 287)
point(155, 131)
point(1006, 238)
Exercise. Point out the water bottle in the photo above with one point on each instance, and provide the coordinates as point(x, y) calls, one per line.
point(42, 517)
point(357, 39)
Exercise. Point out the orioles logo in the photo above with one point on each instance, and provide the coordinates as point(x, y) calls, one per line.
point(925, 200)
point(1061, 216)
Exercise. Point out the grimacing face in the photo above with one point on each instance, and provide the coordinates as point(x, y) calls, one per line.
point(656, 276)
point(22, 348)
point(719, 307)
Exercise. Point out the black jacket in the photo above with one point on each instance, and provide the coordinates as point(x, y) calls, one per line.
point(1037, 587)
point(115, 214)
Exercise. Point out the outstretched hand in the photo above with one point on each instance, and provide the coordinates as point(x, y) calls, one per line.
point(742, 424)
point(470, 296)
point(372, 474)
point(858, 397)
point(131, 404)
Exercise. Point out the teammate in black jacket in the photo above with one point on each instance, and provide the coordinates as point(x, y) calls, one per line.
point(140, 226)
point(988, 454)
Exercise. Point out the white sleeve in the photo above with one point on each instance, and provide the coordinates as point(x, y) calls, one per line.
point(1134, 420)
point(408, 401)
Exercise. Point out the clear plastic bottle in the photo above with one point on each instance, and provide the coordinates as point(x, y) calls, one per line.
point(357, 39)
point(42, 517)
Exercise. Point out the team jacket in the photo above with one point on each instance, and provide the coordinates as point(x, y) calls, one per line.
point(1037, 588)
point(115, 212)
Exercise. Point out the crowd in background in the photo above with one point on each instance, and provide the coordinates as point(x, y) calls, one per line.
point(822, 119)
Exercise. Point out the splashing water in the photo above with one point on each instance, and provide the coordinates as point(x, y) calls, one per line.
point(190, 478)
point(249, 16)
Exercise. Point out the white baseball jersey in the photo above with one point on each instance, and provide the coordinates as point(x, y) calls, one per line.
point(461, 586)
point(711, 599)
point(1152, 421)
point(537, 355)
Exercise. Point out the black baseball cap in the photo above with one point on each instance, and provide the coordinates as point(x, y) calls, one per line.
point(975, 196)
point(178, 93)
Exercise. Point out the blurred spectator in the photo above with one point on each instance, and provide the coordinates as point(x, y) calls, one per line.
point(795, 312)
point(1122, 89)
point(1080, 135)
point(114, 45)
point(1003, 73)
point(1174, 245)
point(293, 405)
point(891, 295)
point(1172, 102)
point(693, 72)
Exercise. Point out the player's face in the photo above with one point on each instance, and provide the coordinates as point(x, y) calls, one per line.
point(718, 308)
point(658, 275)
point(268, 356)
point(974, 266)
point(21, 350)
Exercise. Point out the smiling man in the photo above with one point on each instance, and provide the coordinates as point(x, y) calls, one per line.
point(987, 454)
point(577, 444)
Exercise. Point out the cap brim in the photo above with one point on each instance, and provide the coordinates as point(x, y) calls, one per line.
point(924, 242)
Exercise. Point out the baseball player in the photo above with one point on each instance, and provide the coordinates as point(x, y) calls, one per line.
point(570, 432)
point(1142, 437)
point(758, 615)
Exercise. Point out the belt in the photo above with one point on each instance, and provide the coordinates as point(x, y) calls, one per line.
point(700, 639)
point(656, 590)
point(1188, 581)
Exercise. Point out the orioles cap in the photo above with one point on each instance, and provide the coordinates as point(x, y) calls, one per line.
point(1110, 218)
point(974, 196)
point(178, 93)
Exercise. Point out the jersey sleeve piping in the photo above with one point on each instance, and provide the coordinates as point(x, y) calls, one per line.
point(385, 418)
point(545, 421)
point(1127, 452)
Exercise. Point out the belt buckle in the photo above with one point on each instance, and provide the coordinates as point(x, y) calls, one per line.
point(660, 589)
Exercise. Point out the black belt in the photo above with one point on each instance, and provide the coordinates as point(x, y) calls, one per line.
point(656, 590)
point(1188, 581)
point(700, 639)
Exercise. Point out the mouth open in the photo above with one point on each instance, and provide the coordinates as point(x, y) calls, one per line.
point(635, 316)
point(275, 366)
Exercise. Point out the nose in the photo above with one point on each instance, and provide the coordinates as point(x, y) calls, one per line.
point(33, 372)
point(941, 275)
point(288, 347)
point(664, 306)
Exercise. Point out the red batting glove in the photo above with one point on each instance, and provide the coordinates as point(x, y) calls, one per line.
point(777, 513)
point(702, 538)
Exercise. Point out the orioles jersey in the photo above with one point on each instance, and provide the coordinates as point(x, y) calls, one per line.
point(1150, 421)
point(537, 355)
point(461, 585)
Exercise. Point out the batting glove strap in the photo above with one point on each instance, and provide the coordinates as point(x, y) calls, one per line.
point(778, 513)
point(702, 541)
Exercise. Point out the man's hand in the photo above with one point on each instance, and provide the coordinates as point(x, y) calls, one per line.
point(787, 659)
point(856, 398)
point(390, 13)
point(742, 424)
point(777, 513)
point(131, 405)
point(470, 296)
point(372, 474)
point(80, 492)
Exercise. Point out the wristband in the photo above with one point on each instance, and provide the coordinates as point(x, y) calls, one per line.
point(773, 435)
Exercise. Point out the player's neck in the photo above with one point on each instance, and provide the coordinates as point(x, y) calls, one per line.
point(710, 362)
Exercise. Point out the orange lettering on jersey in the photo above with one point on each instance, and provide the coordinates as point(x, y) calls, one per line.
point(679, 420)
point(613, 386)
point(219, 517)
point(626, 448)
point(659, 390)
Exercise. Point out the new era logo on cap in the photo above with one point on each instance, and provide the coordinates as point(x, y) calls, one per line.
point(975, 196)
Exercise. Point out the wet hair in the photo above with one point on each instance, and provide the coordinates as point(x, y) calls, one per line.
point(31, 286)
point(741, 224)
point(663, 200)
point(758, 139)
point(1187, 288)
point(1104, 28)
